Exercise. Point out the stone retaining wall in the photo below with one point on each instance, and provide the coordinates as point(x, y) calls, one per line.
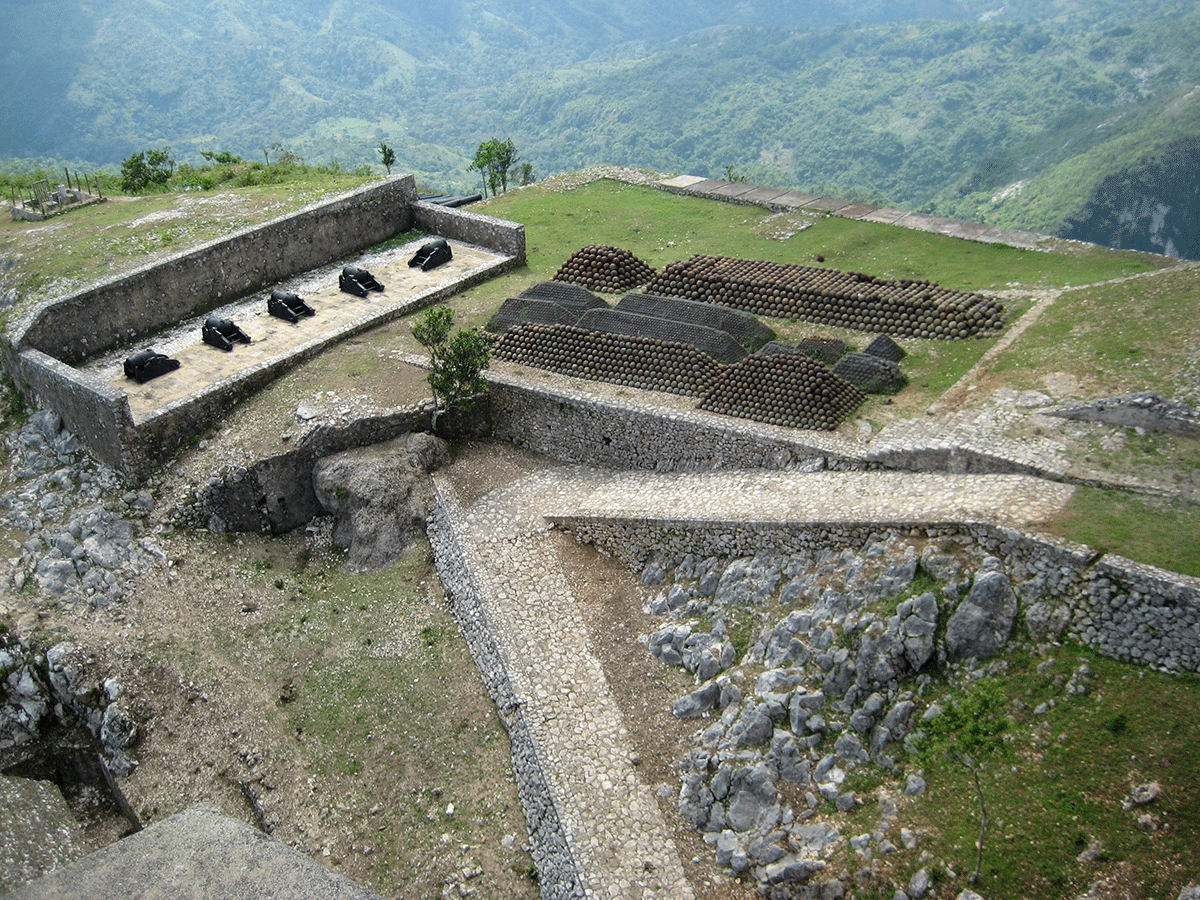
point(63, 332)
point(558, 874)
point(117, 313)
point(96, 413)
point(1120, 608)
point(577, 427)
point(275, 493)
point(498, 235)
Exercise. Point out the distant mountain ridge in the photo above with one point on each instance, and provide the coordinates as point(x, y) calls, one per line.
point(1014, 113)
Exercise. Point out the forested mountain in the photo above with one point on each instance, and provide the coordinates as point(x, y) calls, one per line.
point(1027, 113)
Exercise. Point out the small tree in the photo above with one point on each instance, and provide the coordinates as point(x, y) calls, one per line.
point(494, 159)
point(969, 731)
point(148, 167)
point(455, 362)
point(505, 157)
point(388, 156)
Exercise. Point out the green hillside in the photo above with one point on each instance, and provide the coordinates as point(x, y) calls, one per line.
point(1014, 115)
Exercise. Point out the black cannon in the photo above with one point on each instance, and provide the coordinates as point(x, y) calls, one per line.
point(222, 333)
point(286, 305)
point(431, 255)
point(141, 367)
point(358, 281)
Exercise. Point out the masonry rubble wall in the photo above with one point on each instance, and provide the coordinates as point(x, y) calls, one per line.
point(275, 493)
point(119, 312)
point(94, 412)
point(1120, 608)
point(498, 235)
point(576, 427)
point(63, 332)
point(558, 873)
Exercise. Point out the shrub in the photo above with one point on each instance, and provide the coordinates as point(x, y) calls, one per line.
point(455, 362)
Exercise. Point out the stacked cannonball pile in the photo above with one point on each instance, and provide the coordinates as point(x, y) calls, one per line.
point(521, 310)
point(637, 362)
point(916, 309)
point(783, 389)
point(870, 374)
point(823, 350)
point(602, 268)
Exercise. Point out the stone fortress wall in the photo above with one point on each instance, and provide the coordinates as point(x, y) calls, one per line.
point(1121, 608)
point(44, 352)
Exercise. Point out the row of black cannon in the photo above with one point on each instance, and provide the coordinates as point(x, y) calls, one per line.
point(287, 305)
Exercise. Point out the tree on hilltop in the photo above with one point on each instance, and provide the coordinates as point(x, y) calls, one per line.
point(494, 159)
point(140, 170)
point(387, 156)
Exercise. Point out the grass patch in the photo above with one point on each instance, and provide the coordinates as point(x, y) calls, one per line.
point(97, 242)
point(1155, 530)
point(1116, 338)
point(1064, 784)
point(661, 228)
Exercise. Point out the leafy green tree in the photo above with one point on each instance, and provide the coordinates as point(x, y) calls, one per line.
point(149, 167)
point(222, 158)
point(455, 361)
point(969, 731)
point(505, 156)
point(387, 156)
point(494, 159)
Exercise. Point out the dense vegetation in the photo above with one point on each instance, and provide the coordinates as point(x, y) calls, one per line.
point(1014, 114)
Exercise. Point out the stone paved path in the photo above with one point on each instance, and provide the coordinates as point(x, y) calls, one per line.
point(613, 826)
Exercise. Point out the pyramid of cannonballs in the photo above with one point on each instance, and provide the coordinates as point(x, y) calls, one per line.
point(916, 309)
point(720, 345)
point(629, 360)
point(870, 374)
point(782, 389)
point(741, 325)
point(823, 350)
point(602, 268)
point(571, 297)
point(522, 310)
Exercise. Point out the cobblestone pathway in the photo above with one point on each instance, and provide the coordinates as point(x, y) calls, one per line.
point(617, 838)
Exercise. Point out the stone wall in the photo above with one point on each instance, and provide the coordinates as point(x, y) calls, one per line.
point(66, 331)
point(275, 494)
point(116, 313)
point(558, 874)
point(1120, 608)
point(576, 427)
point(96, 413)
point(498, 235)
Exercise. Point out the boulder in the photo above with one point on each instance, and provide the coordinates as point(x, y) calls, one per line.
point(983, 622)
point(380, 496)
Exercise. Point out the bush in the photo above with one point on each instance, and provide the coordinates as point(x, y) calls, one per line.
point(149, 167)
point(455, 362)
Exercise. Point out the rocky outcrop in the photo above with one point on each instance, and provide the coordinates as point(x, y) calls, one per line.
point(983, 622)
point(380, 496)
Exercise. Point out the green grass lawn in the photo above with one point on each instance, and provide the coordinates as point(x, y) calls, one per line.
point(660, 228)
point(1060, 784)
point(1134, 335)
